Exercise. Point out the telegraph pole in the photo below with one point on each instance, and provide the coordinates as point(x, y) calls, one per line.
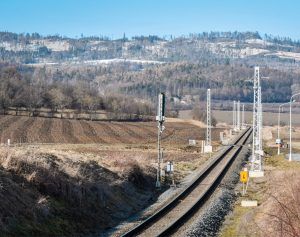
point(160, 118)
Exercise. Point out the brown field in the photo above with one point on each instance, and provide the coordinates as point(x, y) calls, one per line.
point(22, 129)
point(83, 171)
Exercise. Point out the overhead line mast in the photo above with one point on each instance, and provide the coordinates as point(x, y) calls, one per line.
point(234, 116)
point(208, 146)
point(208, 120)
point(257, 152)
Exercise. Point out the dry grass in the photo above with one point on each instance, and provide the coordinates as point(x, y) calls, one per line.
point(41, 190)
point(68, 189)
point(281, 211)
point(279, 203)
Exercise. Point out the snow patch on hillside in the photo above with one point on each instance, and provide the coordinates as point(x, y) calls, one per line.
point(259, 41)
point(97, 62)
point(34, 45)
point(54, 45)
point(229, 49)
point(288, 55)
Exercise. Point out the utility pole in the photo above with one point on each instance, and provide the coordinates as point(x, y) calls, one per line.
point(278, 140)
point(257, 152)
point(208, 147)
point(290, 145)
point(160, 118)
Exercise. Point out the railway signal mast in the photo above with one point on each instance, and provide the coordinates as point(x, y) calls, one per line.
point(208, 147)
point(160, 118)
point(257, 152)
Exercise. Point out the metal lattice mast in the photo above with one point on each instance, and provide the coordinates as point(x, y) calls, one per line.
point(260, 118)
point(234, 116)
point(208, 120)
point(257, 122)
point(238, 115)
point(243, 116)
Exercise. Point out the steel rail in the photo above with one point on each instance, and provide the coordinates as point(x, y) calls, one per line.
point(204, 197)
point(183, 194)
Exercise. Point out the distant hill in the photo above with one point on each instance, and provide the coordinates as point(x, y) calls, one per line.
point(101, 73)
point(211, 47)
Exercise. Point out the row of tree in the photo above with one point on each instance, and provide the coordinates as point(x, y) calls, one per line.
point(31, 89)
point(124, 88)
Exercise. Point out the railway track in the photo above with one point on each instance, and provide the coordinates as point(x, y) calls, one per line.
point(172, 216)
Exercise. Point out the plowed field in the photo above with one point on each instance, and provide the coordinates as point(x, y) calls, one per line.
point(45, 130)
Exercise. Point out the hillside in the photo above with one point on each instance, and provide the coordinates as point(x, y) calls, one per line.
point(214, 46)
point(125, 75)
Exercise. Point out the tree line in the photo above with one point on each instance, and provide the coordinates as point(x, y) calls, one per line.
point(33, 89)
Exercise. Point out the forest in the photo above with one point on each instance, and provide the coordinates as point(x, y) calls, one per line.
point(33, 89)
point(123, 88)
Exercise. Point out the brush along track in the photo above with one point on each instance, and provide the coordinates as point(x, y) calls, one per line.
point(168, 219)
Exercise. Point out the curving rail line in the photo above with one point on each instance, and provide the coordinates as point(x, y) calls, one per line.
point(173, 215)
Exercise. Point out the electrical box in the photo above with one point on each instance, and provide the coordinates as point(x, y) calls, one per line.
point(170, 167)
point(207, 149)
point(192, 142)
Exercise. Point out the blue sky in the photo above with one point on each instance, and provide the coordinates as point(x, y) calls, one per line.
point(143, 17)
